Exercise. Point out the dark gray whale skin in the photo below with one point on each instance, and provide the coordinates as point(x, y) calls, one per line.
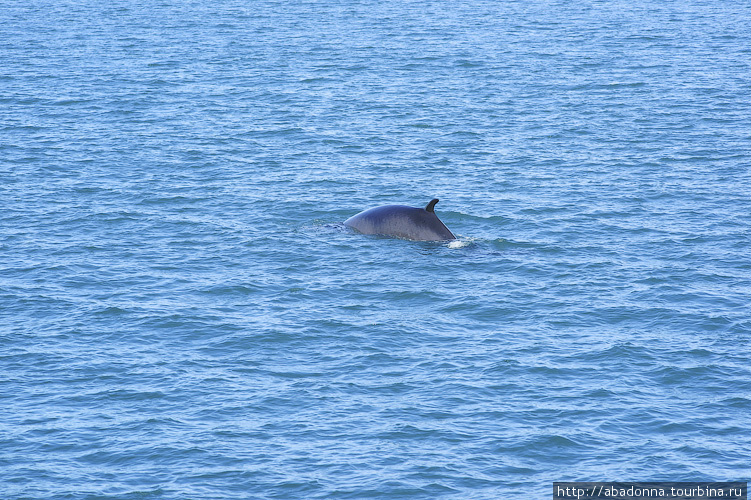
point(400, 221)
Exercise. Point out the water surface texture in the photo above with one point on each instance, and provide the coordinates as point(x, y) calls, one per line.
point(183, 315)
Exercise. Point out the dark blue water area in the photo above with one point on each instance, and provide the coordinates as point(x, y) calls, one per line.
point(183, 314)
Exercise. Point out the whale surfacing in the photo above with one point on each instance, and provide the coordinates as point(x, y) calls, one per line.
point(401, 221)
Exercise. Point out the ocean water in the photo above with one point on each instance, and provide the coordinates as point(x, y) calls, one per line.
point(184, 316)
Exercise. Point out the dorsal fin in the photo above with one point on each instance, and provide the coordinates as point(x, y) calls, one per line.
point(430, 207)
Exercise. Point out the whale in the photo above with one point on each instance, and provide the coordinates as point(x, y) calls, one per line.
point(401, 221)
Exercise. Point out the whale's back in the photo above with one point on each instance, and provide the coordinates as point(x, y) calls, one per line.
point(401, 221)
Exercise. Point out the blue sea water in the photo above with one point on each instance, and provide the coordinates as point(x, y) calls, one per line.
point(183, 315)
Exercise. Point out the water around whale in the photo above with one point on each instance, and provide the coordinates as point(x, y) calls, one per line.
point(183, 315)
